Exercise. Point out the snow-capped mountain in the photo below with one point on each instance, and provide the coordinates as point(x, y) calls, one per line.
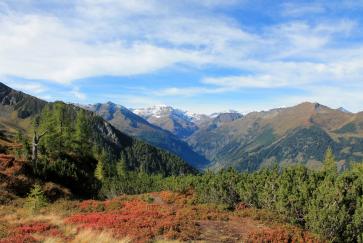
point(183, 123)
point(180, 123)
point(134, 125)
point(342, 109)
point(160, 111)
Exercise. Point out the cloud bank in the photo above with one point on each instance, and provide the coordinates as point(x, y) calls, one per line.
point(304, 47)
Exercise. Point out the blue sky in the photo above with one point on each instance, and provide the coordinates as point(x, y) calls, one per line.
point(198, 55)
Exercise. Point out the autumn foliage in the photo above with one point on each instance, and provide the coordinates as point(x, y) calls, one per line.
point(154, 216)
point(24, 232)
point(136, 219)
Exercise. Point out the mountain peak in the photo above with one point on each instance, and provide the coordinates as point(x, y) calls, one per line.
point(312, 106)
point(110, 103)
point(342, 109)
point(216, 114)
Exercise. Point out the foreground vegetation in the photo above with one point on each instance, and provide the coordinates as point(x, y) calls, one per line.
point(152, 217)
point(325, 202)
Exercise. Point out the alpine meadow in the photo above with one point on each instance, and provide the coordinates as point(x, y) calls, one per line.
point(181, 121)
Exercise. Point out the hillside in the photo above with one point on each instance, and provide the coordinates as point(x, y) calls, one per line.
point(131, 124)
point(75, 143)
point(299, 134)
point(17, 110)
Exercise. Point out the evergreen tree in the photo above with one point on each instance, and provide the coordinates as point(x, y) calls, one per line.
point(82, 133)
point(99, 172)
point(18, 140)
point(35, 199)
point(100, 167)
point(121, 166)
point(329, 163)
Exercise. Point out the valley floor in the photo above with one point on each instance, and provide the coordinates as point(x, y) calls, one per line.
point(153, 217)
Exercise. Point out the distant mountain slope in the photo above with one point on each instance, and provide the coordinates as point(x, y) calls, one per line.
point(298, 134)
point(134, 125)
point(68, 151)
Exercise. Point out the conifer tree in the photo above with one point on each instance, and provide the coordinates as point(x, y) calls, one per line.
point(35, 199)
point(99, 172)
point(100, 167)
point(329, 163)
point(121, 165)
point(82, 133)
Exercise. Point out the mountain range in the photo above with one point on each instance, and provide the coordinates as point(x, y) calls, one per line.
point(298, 134)
point(130, 123)
point(247, 142)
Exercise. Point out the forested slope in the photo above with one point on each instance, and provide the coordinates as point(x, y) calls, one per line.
point(75, 143)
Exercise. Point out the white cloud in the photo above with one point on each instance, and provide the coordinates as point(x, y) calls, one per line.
point(301, 9)
point(235, 82)
point(115, 38)
point(34, 88)
point(189, 91)
point(46, 49)
point(78, 94)
point(136, 37)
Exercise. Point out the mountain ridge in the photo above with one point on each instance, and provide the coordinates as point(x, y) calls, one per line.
point(252, 140)
point(132, 124)
point(255, 139)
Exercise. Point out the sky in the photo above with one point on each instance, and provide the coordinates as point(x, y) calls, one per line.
point(203, 56)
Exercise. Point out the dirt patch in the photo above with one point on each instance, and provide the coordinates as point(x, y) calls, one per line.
point(233, 230)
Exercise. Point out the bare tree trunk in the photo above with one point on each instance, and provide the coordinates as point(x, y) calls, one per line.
point(35, 143)
point(35, 147)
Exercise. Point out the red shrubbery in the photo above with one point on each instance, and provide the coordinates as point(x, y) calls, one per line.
point(137, 219)
point(163, 215)
point(18, 239)
point(23, 233)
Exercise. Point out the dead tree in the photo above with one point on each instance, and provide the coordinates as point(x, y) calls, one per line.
point(36, 140)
